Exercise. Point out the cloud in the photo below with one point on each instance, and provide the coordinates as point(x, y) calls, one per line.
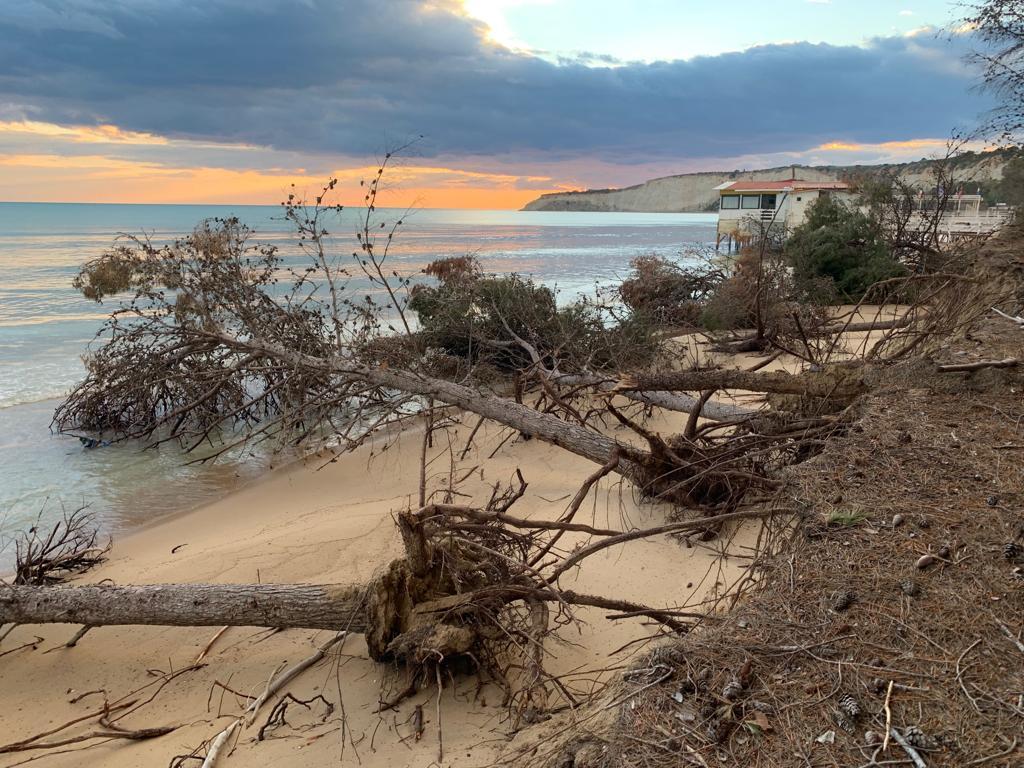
point(349, 76)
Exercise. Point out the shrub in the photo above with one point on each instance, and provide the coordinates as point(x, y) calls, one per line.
point(665, 292)
point(734, 304)
point(841, 248)
point(481, 318)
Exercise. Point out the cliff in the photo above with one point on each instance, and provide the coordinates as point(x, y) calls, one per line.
point(693, 192)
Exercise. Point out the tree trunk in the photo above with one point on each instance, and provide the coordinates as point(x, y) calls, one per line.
point(750, 342)
point(779, 382)
point(667, 400)
point(584, 442)
point(286, 606)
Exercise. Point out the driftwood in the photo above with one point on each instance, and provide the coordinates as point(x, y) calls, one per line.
point(276, 684)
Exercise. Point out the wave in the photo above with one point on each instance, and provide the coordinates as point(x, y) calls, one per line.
point(31, 399)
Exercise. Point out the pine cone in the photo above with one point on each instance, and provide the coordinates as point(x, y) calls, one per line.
point(843, 720)
point(850, 706)
point(843, 600)
point(732, 689)
point(909, 588)
point(1011, 551)
point(917, 738)
point(717, 730)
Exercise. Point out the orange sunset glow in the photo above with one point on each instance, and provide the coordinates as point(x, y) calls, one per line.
point(49, 162)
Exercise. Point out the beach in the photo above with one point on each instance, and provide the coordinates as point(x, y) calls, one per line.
point(46, 327)
point(317, 522)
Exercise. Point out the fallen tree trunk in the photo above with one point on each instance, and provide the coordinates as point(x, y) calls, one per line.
point(712, 411)
point(831, 329)
point(778, 382)
point(584, 442)
point(283, 606)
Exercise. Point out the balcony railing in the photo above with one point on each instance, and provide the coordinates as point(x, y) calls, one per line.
point(953, 223)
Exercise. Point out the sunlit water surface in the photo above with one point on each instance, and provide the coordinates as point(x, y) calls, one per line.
point(46, 326)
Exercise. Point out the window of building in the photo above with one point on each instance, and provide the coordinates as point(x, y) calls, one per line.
point(730, 202)
point(768, 201)
point(751, 202)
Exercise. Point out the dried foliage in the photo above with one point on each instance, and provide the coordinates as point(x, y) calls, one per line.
point(753, 295)
point(845, 635)
point(667, 293)
point(70, 547)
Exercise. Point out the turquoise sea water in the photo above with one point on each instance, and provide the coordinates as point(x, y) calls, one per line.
point(45, 327)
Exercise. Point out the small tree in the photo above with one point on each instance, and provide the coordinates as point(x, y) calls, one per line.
point(841, 246)
point(482, 318)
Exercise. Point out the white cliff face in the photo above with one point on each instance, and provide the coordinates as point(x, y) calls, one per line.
point(695, 192)
point(669, 194)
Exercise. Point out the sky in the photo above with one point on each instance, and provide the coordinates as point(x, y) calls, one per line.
point(234, 101)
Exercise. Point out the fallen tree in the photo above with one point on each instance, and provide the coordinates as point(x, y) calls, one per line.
point(832, 384)
point(464, 570)
point(209, 350)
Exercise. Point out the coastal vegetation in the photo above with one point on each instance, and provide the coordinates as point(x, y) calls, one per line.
point(839, 252)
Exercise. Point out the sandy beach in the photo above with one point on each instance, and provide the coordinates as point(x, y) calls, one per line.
point(324, 521)
point(332, 523)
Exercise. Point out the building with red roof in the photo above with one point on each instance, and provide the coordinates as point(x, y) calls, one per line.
point(745, 207)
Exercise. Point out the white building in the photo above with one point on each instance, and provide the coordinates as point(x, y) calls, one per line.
point(747, 206)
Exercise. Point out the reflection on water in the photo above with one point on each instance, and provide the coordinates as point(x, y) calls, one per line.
point(45, 326)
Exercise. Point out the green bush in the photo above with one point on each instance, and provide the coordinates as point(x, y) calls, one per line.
point(482, 318)
point(841, 246)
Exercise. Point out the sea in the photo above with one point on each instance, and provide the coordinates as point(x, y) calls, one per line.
point(46, 327)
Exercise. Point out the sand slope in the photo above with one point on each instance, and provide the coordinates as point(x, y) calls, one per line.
point(304, 524)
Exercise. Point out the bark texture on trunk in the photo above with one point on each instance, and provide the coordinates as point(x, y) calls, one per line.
point(778, 382)
point(333, 607)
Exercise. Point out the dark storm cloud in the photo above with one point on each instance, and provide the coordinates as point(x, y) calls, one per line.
point(342, 75)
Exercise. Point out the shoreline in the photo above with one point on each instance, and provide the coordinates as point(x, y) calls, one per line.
point(297, 524)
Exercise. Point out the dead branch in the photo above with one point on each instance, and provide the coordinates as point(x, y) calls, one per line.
point(274, 686)
point(69, 547)
point(685, 525)
point(1009, 362)
point(912, 753)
